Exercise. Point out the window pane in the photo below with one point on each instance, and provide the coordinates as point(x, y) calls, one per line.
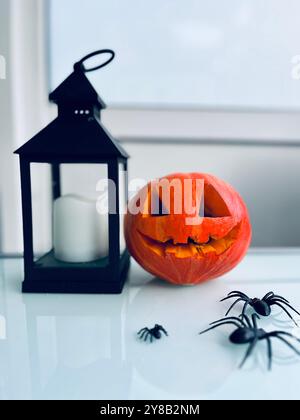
point(202, 53)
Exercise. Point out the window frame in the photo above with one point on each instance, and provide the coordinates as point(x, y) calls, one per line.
point(198, 125)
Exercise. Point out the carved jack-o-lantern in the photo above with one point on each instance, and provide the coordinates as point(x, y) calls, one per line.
point(179, 242)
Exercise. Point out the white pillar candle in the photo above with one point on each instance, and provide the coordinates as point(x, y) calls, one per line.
point(80, 233)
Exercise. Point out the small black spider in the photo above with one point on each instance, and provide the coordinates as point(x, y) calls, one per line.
point(261, 306)
point(249, 333)
point(155, 332)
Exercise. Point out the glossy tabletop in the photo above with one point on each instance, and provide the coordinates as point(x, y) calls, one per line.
point(85, 347)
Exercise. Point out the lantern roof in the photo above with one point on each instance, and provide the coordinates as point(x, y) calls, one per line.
point(67, 139)
point(77, 133)
point(76, 89)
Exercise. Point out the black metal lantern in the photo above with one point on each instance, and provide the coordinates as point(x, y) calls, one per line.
point(83, 253)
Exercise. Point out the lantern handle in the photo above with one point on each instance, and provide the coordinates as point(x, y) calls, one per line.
point(80, 65)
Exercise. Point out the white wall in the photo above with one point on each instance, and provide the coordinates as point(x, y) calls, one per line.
point(9, 229)
point(23, 104)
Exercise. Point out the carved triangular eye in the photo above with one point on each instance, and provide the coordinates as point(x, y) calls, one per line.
point(215, 206)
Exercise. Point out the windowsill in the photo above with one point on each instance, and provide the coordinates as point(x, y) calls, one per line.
point(274, 128)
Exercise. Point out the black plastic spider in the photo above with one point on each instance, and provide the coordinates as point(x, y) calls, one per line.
point(247, 333)
point(155, 332)
point(261, 306)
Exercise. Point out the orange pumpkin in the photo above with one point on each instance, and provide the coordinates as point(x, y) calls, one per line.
point(180, 244)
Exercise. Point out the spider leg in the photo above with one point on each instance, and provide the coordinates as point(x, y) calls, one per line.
point(232, 297)
point(151, 338)
point(238, 293)
point(147, 335)
point(255, 317)
point(143, 335)
point(288, 344)
point(287, 312)
point(286, 334)
point(243, 316)
point(285, 303)
point(230, 319)
point(247, 319)
point(249, 352)
point(270, 352)
point(142, 330)
point(220, 325)
point(164, 331)
point(280, 297)
point(233, 305)
point(268, 295)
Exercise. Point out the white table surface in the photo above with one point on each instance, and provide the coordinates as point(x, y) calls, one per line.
point(85, 347)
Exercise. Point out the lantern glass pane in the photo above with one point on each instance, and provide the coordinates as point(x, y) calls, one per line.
point(123, 198)
point(70, 215)
point(82, 178)
point(41, 191)
point(80, 216)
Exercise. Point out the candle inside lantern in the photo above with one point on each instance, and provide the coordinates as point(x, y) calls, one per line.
point(80, 233)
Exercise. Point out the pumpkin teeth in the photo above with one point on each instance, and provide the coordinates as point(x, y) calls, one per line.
point(192, 248)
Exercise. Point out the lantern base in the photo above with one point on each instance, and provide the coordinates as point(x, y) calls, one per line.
point(61, 281)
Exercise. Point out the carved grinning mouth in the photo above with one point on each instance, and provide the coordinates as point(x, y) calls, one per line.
point(163, 243)
point(192, 248)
